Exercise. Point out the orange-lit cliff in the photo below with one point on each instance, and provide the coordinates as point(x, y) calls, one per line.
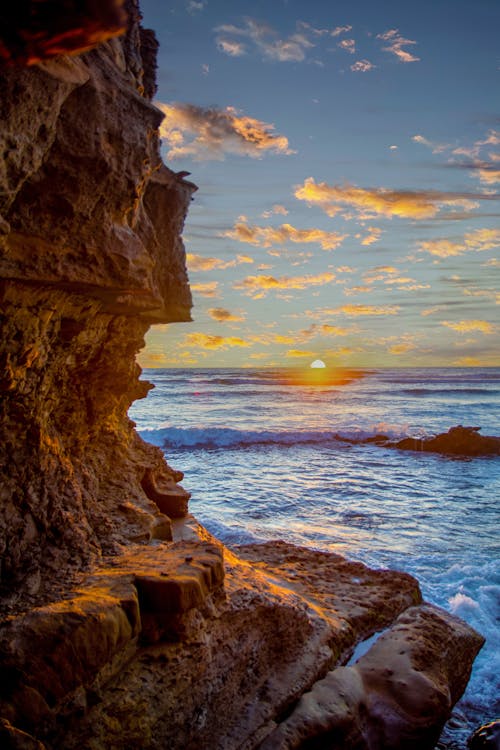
point(124, 624)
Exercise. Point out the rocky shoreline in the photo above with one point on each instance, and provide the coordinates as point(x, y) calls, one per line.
point(124, 624)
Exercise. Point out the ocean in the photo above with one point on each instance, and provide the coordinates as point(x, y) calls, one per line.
point(269, 454)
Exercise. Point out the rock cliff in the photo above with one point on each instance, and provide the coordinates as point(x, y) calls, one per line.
point(90, 256)
point(124, 624)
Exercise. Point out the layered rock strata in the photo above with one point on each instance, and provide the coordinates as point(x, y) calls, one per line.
point(90, 255)
point(185, 645)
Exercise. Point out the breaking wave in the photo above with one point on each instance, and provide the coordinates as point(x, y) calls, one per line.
point(228, 437)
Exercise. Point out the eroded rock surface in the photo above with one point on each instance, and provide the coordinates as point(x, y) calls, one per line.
point(90, 255)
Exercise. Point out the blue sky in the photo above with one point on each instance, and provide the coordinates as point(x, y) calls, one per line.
point(347, 156)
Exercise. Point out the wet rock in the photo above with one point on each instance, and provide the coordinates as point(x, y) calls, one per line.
point(486, 736)
point(397, 695)
point(458, 441)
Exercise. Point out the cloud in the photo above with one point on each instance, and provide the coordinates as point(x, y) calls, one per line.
point(437, 148)
point(276, 209)
point(370, 202)
point(224, 316)
point(194, 6)
point(208, 289)
point(362, 66)
point(368, 310)
point(374, 234)
point(265, 40)
point(211, 342)
point(299, 353)
point(231, 47)
point(201, 263)
point(269, 236)
point(338, 30)
point(209, 133)
point(396, 42)
point(401, 348)
point(258, 286)
point(349, 45)
point(478, 240)
point(466, 326)
point(204, 263)
point(324, 329)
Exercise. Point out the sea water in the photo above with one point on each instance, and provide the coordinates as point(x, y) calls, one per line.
point(266, 457)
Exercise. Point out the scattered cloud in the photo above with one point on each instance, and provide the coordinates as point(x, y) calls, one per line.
point(206, 134)
point(478, 240)
point(208, 341)
point(205, 69)
point(269, 236)
point(276, 209)
point(437, 148)
point(258, 286)
point(374, 234)
point(299, 353)
point(395, 45)
point(265, 40)
point(208, 289)
point(349, 45)
point(195, 6)
point(224, 316)
point(370, 202)
point(362, 66)
point(338, 30)
point(369, 310)
point(204, 263)
point(466, 326)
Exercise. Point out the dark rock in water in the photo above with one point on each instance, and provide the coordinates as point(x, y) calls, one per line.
point(458, 441)
point(487, 736)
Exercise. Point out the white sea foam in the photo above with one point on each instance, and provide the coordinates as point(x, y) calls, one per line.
point(228, 437)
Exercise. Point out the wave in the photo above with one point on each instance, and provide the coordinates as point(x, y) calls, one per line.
point(447, 391)
point(229, 437)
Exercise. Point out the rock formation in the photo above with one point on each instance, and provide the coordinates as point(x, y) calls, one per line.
point(90, 256)
point(124, 624)
point(458, 441)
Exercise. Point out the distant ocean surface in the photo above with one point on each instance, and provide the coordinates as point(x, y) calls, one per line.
point(267, 458)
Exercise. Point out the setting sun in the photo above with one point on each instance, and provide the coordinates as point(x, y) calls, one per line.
point(317, 364)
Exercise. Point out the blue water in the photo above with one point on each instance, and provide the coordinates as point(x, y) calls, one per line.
point(266, 458)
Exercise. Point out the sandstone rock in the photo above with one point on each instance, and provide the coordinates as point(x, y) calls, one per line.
point(398, 695)
point(14, 739)
point(486, 736)
point(90, 255)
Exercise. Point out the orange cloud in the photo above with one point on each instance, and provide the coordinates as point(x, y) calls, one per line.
point(208, 133)
point(209, 289)
point(269, 236)
point(478, 240)
point(201, 263)
point(466, 326)
point(401, 348)
point(276, 209)
point(299, 353)
point(369, 202)
point(374, 234)
point(224, 316)
point(349, 45)
point(207, 341)
point(357, 310)
point(257, 286)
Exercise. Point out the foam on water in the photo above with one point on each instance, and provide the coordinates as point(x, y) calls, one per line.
point(266, 461)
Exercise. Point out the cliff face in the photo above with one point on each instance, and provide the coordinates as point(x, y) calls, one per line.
point(90, 256)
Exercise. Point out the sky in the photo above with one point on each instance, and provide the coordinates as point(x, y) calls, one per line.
point(347, 158)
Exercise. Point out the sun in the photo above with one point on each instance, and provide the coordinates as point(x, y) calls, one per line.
point(317, 364)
